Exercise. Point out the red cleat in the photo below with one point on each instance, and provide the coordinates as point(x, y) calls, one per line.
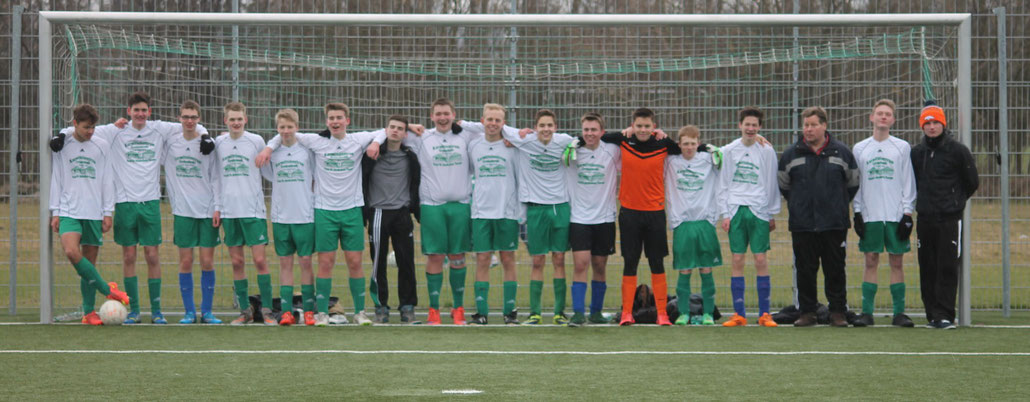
point(627, 319)
point(458, 315)
point(309, 318)
point(663, 320)
point(287, 319)
point(434, 317)
point(92, 319)
point(116, 294)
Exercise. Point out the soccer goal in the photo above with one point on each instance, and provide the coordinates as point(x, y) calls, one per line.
point(691, 69)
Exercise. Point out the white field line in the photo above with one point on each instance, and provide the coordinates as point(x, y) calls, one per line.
point(515, 352)
point(695, 327)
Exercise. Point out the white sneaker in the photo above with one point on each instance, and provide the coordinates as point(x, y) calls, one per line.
point(321, 319)
point(338, 319)
point(361, 319)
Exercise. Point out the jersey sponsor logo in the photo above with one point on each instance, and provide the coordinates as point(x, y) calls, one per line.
point(447, 155)
point(339, 161)
point(492, 166)
point(590, 174)
point(544, 163)
point(187, 167)
point(689, 180)
point(746, 172)
point(83, 167)
point(235, 165)
point(880, 168)
point(140, 152)
point(289, 171)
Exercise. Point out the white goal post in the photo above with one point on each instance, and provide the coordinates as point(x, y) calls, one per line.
point(46, 63)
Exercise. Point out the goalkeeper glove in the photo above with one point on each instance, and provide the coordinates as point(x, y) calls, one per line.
point(455, 128)
point(905, 227)
point(325, 133)
point(207, 145)
point(859, 225)
point(716, 154)
point(57, 142)
point(569, 154)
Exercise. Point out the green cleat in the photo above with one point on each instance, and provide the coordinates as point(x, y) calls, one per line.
point(695, 320)
point(534, 319)
point(578, 319)
point(683, 320)
point(707, 320)
point(561, 319)
point(600, 318)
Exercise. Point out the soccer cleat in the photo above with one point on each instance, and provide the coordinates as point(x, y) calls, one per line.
point(736, 321)
point(382, 315)
point(864, 320)
point(287, 319)
point(321, 319)
point(766, 320)
point(132, 318)
point(902, 320)
point(246, 317)
point(627, 319)
point(945, 324)
point(209, 318)
point(600, 318)
point(116, 294)
point(158, 318)
point(534, 319)
point(267, 317)
point(458, 315)
point(92, 319)
point(309, 318)
point(434, 317)
point(683, 320)
point(663, 320)
point(708, 320)
point(337, 319)
point(408, 314)
point(577, 320)
point(560, 319)
point(478, 319)
point(189, 318)
point(361, 319)
point(511, 318)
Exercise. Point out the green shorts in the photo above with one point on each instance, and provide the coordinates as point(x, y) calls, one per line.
point(446, 228)
point(344, 228)
point(294, 238)
point(89, 229)
point(547, 228)
point(746, 228)
point(245, 231)
point(695, 245)
point(495, 235)
point(137, 223)
point(882, 235)
point(194, 232)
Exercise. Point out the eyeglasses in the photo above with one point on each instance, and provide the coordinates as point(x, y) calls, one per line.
point(194, 117)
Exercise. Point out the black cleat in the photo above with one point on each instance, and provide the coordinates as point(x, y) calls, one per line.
point(902, 320)
point(511, 318)
point(478, 319)
point(864, 320)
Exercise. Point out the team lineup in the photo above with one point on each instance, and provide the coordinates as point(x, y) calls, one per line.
point(470, 185)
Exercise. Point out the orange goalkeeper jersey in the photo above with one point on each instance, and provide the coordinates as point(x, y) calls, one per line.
point(643, 170)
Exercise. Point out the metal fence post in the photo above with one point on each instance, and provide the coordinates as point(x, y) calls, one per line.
point(12, 160)
point(1003, 149)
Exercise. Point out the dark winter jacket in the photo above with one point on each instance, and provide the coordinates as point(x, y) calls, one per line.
point(945, 177)
point(818, 187)
point(414, 180)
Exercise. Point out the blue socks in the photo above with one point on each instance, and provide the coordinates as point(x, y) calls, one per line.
point(597, 289)
point(186, 289)
point(737, 289)
point(579, 295)
point(207, 290)
point(764, 288)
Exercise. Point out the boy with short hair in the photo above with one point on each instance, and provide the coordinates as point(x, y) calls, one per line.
point(691, 186)
point(82, 198)
point(240, 209)
point(293, 227)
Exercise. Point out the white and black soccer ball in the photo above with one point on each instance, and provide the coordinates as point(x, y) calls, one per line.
point(113, 312)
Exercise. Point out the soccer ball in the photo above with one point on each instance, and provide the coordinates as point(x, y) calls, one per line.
point(113, 312)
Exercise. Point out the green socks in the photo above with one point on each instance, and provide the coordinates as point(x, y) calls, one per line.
point(560, 288)
point(154, 288)
point(357, 293)
point(265, 287)
point(89, 272)
point(89, 296)
point(482, 290)
point(683, 290)
point(536, 289)
point(132, 289)
point(323, 286)
point(511, 288)
point(240, 287)
point(434, 282)
point(708, 292)
point(286, 298)
point(307, 295)
point(868, 297)
point(457, 280)
point(898, 296)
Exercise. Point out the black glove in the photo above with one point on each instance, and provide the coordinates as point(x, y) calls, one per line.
point(57, 142)
point(455, 128)
point(859, 225)
point(207, 145)
point(325, 133)
point(905, 227)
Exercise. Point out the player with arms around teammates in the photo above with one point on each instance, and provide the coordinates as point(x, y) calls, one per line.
point(82, 198)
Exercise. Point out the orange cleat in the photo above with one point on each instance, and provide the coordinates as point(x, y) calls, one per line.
point(434, 317)
point(287, 319)
point(309, 318)
point(766, 320)
point(116, 294)
point(92, 319)
point(663, 320)
point(458, 315)
point(627, 319)
point(736, 321)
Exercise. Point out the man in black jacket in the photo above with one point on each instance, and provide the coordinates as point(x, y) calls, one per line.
point(945, 178)
point(819, 177)
point(390, 185)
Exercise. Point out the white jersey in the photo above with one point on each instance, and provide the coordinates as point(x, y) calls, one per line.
point(888, 187)
point(691, 189)
point(136, 157)
point(444, 160)
point(593, 184)
point(542, 176)
point(337, 167)
point(290, 171)
point(238, 192)
point(82, 180)
point(189, 177)
point(494, 194)
point(749, 179)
